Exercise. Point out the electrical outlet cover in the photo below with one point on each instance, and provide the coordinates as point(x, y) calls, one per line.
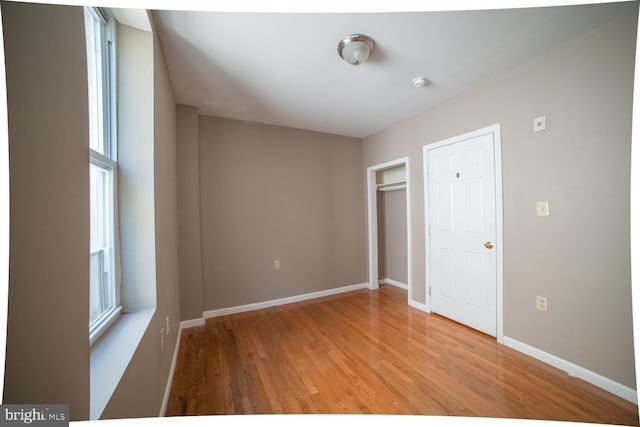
point(542, 208)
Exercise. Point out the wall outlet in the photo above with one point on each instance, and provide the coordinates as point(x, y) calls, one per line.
point(542, 208)
point(541, 303)
point(276, 264)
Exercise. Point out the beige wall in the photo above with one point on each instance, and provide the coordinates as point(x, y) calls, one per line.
point(189, 253)
point(578, 257)
point(392, 235)
point(268, 192)
point(47, 357)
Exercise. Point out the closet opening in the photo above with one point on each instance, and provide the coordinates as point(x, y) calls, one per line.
point(391, 195)
point(389, 225)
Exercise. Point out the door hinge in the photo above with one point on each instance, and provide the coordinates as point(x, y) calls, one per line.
point(429, 290)
point(429, 231)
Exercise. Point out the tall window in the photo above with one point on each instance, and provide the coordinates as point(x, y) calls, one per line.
point(104, 293)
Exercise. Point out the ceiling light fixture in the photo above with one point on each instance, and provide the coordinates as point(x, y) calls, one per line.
point(355, 49)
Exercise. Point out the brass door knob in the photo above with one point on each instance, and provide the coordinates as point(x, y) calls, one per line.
point(488, 245)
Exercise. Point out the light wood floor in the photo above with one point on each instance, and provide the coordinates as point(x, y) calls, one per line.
point(368, 352)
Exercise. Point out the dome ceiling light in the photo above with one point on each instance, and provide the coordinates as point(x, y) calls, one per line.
point(355, 49)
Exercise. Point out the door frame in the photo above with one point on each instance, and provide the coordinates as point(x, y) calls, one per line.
point(495, 131)
point(372, 221)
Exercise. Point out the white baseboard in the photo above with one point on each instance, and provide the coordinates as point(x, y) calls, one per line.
point(574, 370)
point(167, 389)
point(394, 283)
point(281, 301)
point(192, 323)
point(420, 306)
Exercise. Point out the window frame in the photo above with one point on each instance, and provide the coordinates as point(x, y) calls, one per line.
point(107, 160)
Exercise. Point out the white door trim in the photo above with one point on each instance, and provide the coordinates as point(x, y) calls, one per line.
point(495, 130)
point(372, 221)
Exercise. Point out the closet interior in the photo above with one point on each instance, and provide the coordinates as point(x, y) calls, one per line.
point(392, 226)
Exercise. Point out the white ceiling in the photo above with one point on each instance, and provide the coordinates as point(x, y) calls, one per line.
point(283, 68)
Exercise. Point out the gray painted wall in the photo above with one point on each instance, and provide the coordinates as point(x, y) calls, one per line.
point(47, 356)
point(578, 257)
point(269, 192)
point(392, 235)
point(148, 371)
point(190, 257)
point(136, 168)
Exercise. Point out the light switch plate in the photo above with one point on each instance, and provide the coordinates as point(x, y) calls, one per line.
point(539, 123)
point(541, 303)
point(542, 208)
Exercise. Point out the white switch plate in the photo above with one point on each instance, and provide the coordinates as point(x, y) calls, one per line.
point(541, 303)
point(542, 208)
point(276, 264)
point(539, 123)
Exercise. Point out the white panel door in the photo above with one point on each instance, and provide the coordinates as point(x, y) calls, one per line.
point(461, 182)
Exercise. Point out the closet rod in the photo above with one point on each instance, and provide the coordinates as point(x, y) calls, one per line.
point(396, 187)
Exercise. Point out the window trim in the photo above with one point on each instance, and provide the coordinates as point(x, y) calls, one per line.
point(107, 319)
point(100, 325)
point(108, 160)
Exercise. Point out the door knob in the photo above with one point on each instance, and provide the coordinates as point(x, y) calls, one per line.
point(488, 245)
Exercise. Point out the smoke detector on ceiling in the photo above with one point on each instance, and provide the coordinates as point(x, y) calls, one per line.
point(420, 81)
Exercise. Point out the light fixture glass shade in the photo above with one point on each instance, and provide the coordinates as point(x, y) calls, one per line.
point(355, 49)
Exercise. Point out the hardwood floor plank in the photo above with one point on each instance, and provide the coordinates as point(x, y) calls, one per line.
point(368, 352)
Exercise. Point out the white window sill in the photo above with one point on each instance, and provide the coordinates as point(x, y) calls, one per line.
point(110, 356)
